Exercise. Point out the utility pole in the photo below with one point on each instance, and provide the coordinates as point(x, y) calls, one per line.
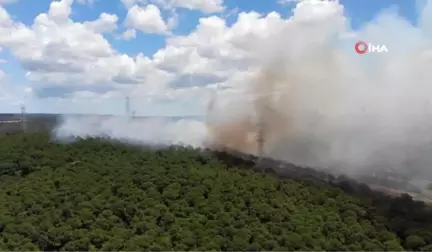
point(260, 139)
point(23, 118)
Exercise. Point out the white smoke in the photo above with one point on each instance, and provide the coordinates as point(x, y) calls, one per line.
point(341, 109)
point(154, 131)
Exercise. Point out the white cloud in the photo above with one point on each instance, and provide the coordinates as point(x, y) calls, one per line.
point(146, 19)
point(129, 34)
point(105, 23)
point(129, 3)
point(173, 19)
point(75, 56)
point(57, 51)
point(59, 11)
point(206, 6)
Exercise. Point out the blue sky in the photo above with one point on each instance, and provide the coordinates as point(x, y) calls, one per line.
point(145, 43)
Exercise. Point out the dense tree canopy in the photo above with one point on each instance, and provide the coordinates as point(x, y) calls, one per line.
point(98, 195)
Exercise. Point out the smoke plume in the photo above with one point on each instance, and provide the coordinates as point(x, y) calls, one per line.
point(314, 100)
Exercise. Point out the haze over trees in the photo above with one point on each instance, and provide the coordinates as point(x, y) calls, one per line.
point(99, 195)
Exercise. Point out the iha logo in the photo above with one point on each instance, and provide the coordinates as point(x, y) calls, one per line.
point(362, 47)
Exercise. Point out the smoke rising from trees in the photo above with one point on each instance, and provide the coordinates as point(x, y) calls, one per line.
point(318, 102)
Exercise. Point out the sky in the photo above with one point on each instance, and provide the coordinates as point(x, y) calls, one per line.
point(169, 56)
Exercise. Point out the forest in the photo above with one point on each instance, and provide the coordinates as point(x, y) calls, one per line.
point(100, 195)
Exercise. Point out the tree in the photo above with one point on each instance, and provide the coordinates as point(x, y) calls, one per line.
point(95, 194)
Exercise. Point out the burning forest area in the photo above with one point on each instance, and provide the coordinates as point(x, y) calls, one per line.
point(278, 125)
point(288, 125)
point(294, 89)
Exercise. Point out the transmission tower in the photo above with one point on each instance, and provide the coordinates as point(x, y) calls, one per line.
point(23, 118)
point(261, 129)
point(260, 139)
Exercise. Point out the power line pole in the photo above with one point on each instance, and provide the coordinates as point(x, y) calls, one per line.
point(260, 140)
point(23, 118)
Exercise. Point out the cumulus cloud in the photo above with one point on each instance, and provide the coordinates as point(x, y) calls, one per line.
point(206, 6)
point(129, 34)
point(58, 52)
point(146, 19)
point(129, 3)
point(105, 23)
point(61, 55)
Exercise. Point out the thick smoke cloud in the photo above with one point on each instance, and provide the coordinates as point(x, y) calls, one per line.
point(317, 102)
